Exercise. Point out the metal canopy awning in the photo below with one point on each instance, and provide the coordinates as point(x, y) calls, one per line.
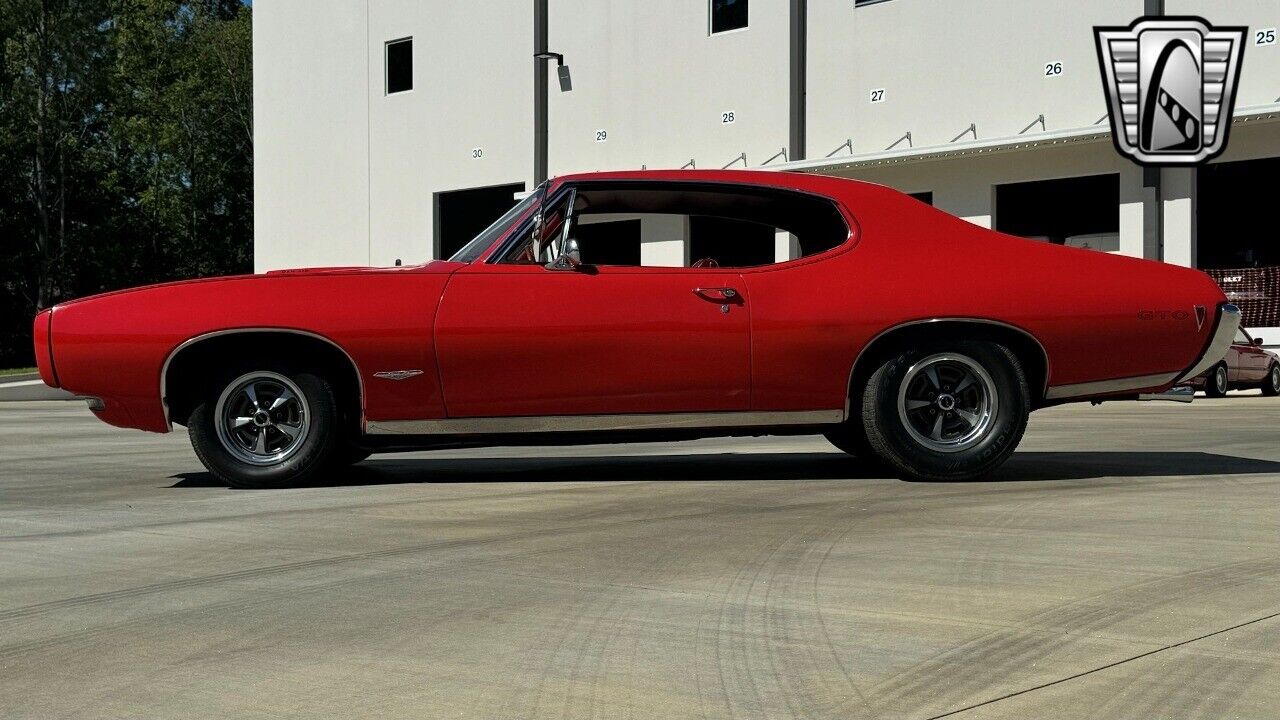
point(990, 146)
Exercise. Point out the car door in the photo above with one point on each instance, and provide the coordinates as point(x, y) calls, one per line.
point(525, 340)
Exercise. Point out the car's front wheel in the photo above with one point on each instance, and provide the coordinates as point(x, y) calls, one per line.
point(951, 411)
point(1215, 385)
point(1271, 386)
point(266, 428)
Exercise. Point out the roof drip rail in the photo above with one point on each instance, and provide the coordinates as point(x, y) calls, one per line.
point(897, 142)
point(689, 165)
point(973, 128)
point(846, 144)
point(1038, 121)
point(781, 154)
point(740, 159)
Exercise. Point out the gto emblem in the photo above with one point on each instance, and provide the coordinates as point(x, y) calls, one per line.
point(1200, 315)
point(397, 374)
point(1163, 315)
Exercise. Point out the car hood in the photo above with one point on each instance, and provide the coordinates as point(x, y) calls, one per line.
point(434, 266)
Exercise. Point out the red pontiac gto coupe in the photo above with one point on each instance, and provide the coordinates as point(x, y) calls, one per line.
point(631, 306)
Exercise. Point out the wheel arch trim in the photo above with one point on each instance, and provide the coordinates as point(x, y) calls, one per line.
point(853, 369)
point(197, 339)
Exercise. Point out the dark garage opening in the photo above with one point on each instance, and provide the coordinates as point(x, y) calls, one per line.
point(731, 242)
point(460, 215)
point(924, 197)
point(1235, 240)
point(1235, 216)
point(1081, 211)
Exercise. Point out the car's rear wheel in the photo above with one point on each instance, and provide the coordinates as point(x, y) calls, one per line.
point(350, 454)
point(1271, 386)
point(850, 437)
point(1215, 385)
point(952, 411)
point(266, 428)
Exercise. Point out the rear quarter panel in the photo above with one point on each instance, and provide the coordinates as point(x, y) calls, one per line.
point(1098, 316)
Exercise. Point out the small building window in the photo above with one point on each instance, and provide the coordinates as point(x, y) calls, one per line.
point(728, 15)
point(399, 65)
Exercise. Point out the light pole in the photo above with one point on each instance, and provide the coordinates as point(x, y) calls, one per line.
point(540, 56)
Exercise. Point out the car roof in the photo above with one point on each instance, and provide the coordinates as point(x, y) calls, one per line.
point(808, 182)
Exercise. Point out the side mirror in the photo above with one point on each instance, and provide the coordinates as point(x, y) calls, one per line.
point(1257, 341)
point(570, 257)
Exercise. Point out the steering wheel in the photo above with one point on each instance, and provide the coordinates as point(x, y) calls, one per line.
point(706, 262)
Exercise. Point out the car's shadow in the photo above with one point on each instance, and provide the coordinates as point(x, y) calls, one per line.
point(1022, 467)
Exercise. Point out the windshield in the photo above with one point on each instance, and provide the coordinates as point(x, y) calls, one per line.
point(474, 249)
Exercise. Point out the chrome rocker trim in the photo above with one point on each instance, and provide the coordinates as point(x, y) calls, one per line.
point(1107, 387)
point(587, 423)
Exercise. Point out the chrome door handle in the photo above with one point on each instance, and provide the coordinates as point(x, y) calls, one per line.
point(717, 294)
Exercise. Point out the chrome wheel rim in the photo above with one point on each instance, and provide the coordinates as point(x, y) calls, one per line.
point(947, 402)
point(1220, 379)
point(1275, 377)
point(262, 418)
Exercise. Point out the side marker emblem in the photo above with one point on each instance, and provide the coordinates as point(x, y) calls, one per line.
point(397, 374)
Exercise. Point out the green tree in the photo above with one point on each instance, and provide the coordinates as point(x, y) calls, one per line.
point(126, 144)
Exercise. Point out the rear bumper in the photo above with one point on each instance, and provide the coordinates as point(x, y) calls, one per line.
point(1228, 323)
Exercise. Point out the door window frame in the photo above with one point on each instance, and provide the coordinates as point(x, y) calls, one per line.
point(556, 191)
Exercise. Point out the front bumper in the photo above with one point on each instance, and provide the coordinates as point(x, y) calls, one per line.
point(1219, 344)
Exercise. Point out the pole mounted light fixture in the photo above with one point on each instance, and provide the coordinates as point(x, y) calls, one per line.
point(562, 70)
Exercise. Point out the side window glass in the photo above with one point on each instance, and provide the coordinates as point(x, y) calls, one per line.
point(690, 225)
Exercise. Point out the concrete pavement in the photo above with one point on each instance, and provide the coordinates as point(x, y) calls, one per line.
point(27, 388)
point(1125, 563)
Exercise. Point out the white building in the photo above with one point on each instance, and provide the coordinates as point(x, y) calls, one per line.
point(394, 129)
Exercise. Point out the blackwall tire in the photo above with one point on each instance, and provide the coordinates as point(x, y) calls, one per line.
point(348, 454)
point(1215, 382)
point(1271, 385)
point(850, 437)
point(244, 437)
point(947, 412)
